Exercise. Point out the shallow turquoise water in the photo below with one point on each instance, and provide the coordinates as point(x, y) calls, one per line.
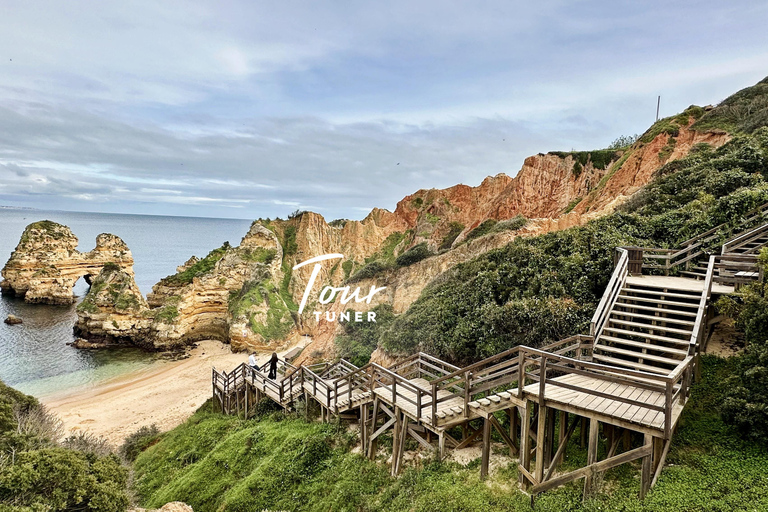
point(34, 356)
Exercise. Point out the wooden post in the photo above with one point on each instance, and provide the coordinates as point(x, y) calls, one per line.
point(373, 443)
point(513, 428)
point(525, 443)
point(645, 477)
point(541, 442)
point(594, 429)
point(486, 448)
point(441, 445)
point(395, 441)
point(583, 432)
point(561, 435)
point(550, 437)
point(627, 439)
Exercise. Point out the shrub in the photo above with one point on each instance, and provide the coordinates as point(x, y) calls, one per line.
point(455, 229)
point(359, 339)
point(200, 268)
point(483, 229)
point(413, 255)
point(370, 270)
point(139, 441)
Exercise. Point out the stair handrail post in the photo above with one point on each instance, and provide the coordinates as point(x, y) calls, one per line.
point(434, 404)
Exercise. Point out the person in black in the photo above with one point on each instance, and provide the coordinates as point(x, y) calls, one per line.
point(272, 366)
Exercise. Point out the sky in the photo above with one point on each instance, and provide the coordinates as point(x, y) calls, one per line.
point(249, 109)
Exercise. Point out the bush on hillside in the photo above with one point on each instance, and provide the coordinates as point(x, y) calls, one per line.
point(414, 255)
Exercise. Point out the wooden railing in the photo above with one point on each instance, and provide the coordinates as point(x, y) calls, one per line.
point(744, 239)
point(612, 290)
point(495, 372)
point(319, 387)
point(356, 381)
point(400, 390)
point(283, 389)
point(693, 249)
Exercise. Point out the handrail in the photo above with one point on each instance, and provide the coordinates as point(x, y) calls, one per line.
point(706, 293)
point(744, 238)
point(612, 290)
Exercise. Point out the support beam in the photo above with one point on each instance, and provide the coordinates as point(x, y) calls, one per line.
point(525, 445)
point(594, 430)
point(486, 448)
point(541, 443)
point(645, 476)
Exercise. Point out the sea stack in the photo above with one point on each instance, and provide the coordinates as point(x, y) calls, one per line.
point(46, 263)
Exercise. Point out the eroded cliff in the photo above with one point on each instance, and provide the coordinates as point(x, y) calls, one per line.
point(46, 263)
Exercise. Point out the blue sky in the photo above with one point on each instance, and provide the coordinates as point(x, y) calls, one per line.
point(252, 109)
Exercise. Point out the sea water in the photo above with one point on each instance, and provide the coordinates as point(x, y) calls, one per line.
point(34, 355)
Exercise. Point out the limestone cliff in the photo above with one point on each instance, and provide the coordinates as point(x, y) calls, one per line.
point(114, 311)
point(208, 298)
point(46, 263)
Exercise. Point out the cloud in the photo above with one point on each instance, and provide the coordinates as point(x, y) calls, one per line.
point(257, 108)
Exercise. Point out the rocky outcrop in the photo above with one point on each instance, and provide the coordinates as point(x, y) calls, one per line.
point(13, 320)
point(114, 311)
point(46, 263)
point(231, 295)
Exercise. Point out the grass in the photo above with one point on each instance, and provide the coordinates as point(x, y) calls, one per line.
point(200, 268)
point(279, 462)
point(573, 204)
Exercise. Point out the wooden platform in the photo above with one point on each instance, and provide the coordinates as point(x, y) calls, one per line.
point(677, 283)
point(607, 410)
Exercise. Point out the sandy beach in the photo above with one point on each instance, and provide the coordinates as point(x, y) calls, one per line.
point(165, 394)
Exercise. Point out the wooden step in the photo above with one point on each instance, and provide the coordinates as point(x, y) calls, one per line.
point(656, 286)
point(656, 337)
point(662, 310)
point(659, 301)
point(649, 326)
point(633, 353)
point(642, 345)
point(692, 296)
point(630, 364)
point(652, 317)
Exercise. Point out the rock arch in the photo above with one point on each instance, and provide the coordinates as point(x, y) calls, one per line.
point(46, 263)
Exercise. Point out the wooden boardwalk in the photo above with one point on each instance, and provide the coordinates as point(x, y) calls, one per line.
point(627, 381)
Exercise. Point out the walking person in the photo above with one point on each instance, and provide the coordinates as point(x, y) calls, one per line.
point(273, 366)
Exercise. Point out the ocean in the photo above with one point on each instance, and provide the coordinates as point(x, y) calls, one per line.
point(34, 356)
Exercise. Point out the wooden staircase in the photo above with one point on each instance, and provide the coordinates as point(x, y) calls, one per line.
point(649, 327)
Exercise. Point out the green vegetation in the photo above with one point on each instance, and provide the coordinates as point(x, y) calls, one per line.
point(746, 403)
point(168, 312)
point(280, 462)
point(370, 270)
point(290, 247)
point(273, 320)
point(260, 255)
point(431, 218)
point(572, 205)
point(41, 471)
point(139, 441)
point(599, 159)
point(745, 111)
point(671, 125)
point(418, 203)
point(667, 150)
point(623, 141)
point(413, 255)
point(347, 267)
point(483, 229)
point(455, 229)
point(200, 268)
point(540, 289)
point(386, 252)
point(577, 169)
point(359, 339)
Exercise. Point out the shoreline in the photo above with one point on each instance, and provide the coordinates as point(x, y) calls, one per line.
point(165, 394)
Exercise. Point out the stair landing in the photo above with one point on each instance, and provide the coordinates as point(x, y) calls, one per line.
point(677, 283)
